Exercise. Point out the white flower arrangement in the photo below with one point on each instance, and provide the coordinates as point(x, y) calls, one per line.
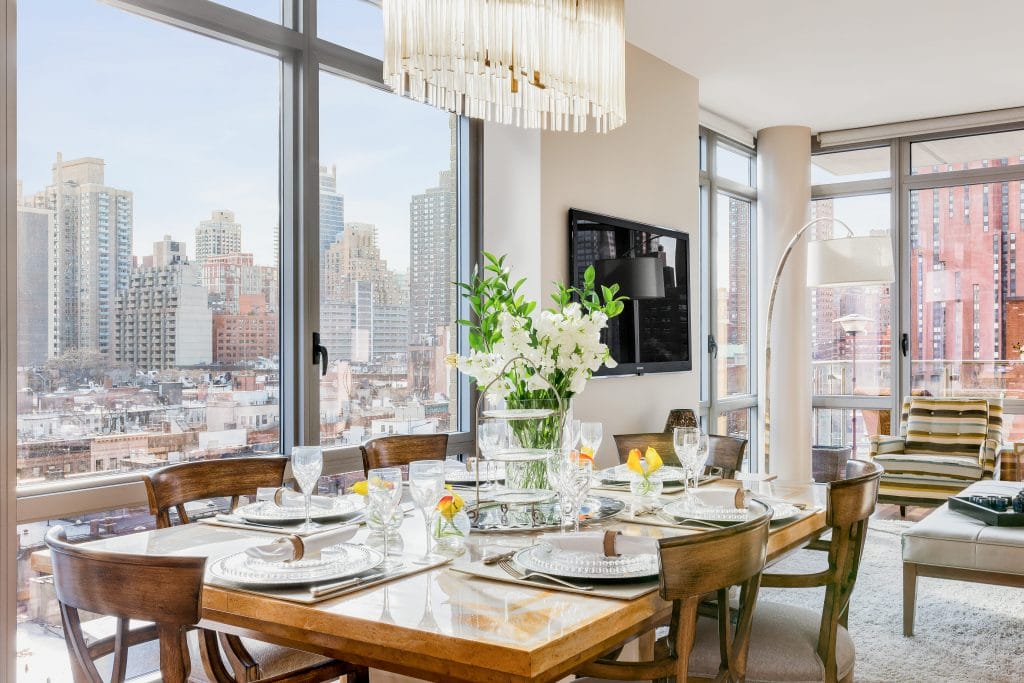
point(562, 346)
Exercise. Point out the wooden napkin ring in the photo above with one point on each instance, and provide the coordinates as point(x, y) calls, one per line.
point(609, 543)
point(298, 547)
point(279, 496)
point(740, 500)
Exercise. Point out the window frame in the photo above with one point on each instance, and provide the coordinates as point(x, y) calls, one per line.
point(713, 404)
point(303, 56)
point(900, 184)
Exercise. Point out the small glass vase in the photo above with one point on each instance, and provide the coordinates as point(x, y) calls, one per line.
point(450, 533)
point(645, 487)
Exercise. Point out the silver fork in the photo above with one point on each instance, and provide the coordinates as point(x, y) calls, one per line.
point(517, 573)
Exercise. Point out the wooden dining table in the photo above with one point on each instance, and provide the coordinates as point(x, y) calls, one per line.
point(440, 624)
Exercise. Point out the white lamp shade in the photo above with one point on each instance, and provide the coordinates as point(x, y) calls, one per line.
point(850, 261)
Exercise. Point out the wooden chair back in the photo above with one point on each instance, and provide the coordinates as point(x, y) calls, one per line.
point(162, 589)
point(691, 567)
point(402, 449)
point(725, 455)
point(660, 441)
point(174, 485)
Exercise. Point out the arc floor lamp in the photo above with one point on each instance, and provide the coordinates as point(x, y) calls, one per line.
point(841, 262)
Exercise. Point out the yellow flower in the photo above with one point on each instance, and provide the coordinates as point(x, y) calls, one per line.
point(361, 487)
point(449, 505)
point(452, 360)
point(646, 464)
point(635, 462)
point(653, 460)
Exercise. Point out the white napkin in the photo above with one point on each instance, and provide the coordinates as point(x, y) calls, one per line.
point(286, 498)
point(291, 548)
point(720, 498)
point(593, 542)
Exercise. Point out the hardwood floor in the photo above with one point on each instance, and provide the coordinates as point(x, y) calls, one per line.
point(914, 514)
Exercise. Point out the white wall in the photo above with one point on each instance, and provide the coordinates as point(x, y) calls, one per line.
point(645, 171)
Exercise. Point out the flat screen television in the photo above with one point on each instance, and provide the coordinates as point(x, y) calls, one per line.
point(652, 265)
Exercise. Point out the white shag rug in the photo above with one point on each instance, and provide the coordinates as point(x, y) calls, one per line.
point(963, 631)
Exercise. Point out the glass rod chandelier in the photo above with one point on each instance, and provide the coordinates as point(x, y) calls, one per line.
point(548, 64)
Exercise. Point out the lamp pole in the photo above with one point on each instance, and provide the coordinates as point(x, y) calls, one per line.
point(768, 327)
point(854, 324)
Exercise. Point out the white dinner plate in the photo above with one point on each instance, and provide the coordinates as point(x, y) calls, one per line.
point(622, 474)
point(581, 565)
point(683, 509)
point(344, 561)
point(783, 511)
point(268, 512)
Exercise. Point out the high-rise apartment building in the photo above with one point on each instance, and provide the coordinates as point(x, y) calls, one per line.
point(34, 228)
point(249, 335)
point(168, 252)
point(90, 254)
point(432, 250)
point(332, 207)
point(219, 236)
point(162, 319)
point(229, 277)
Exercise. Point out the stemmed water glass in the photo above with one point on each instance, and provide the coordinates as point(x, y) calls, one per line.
point(493, 436)
point(591, 434)
point(426, 484)
point(577, 481)
point(687, 443)
point(384, 489)
point(307, 465)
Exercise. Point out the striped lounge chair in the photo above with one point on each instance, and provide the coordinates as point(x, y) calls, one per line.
point(945, 444)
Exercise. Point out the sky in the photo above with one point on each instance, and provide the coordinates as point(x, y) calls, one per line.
point(191, 124)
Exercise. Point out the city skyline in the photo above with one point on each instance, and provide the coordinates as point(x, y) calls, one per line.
point(212, 147)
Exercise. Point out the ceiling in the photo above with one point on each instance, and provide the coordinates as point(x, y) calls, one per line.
point(835, 65)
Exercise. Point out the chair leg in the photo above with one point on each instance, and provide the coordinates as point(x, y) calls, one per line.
point(360, 675)
point(903, 511)
point(909, 597)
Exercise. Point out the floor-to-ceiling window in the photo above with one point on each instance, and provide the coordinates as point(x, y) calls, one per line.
point(201, 187)
point(728, 211)
point(949, 325)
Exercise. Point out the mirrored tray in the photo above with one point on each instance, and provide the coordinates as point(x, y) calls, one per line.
point(522, 496)
point(582, 565)
point(344, 560)
point(504, 517)
point(622, 474)
point(267, 512)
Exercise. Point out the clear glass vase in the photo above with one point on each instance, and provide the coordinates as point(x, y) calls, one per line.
point(450, 532)
point(541, 432)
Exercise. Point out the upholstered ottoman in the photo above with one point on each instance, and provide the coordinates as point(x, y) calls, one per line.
point(949, 545)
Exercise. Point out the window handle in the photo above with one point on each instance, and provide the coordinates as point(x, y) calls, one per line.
point(712, 346)
point(319, 354)
point(905, 344)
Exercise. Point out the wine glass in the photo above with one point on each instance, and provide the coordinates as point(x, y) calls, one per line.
point(558, 468)
point(684, 442)
point(307, 465)
point(426, 484)
point(384, 489)
point(591, 434)
point(571, 434)
point(577, 480)
point(492, 436)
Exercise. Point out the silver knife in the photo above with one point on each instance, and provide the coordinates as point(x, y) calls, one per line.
point(329, 588)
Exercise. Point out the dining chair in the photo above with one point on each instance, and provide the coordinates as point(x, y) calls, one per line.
point(725, 455)
point(162, 591)
point(790, 643)
point(402, 449)
point(693, 566)
point(660, 441)
point(252, 660)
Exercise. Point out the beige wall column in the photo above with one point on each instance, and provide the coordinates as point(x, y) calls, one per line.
point(783, 197)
